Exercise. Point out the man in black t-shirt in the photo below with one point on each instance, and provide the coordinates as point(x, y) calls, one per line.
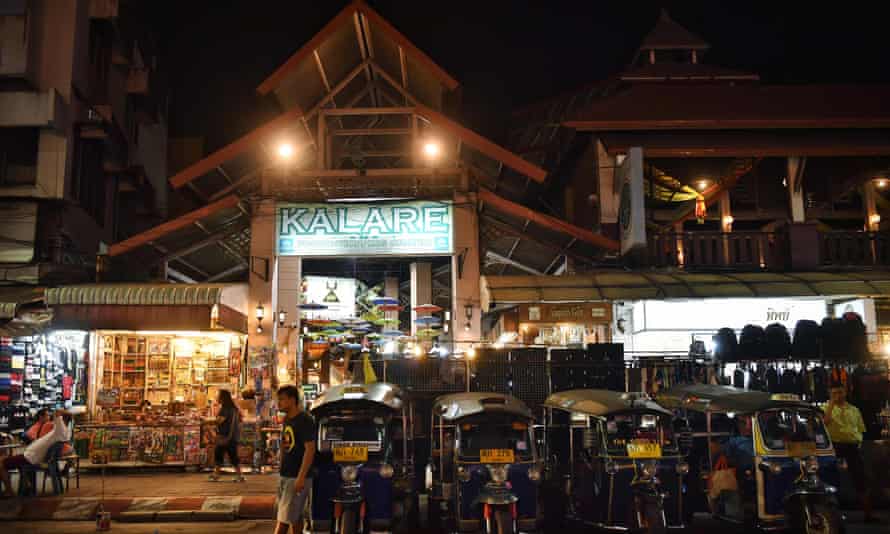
point(297, 453)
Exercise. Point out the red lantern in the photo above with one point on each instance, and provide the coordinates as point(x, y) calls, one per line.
point(701, 209)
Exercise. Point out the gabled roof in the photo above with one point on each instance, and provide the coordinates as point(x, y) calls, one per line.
point(355, 35)
point(709, 106)
point(668, 35)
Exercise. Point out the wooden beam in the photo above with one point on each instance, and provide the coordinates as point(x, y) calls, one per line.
point(518, 210)
point(371, 131)
point(515, 232)
point(210, 240)
point(234, 149)
point(487, 147)
point(387, 110)
point(404, 68)
point(712, 194)
point(240, 182)
point(382, 173)
point(171, 226)
point(336, 89)
point(512, 263)
point(228, 272)
point(170, 272)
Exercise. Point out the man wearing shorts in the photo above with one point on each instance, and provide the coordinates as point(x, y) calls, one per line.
point(297, 453)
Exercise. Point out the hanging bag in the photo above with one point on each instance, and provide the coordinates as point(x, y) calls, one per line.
point(723, 478)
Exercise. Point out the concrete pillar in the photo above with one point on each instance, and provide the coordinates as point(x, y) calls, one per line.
point(872, 217)
point(289, 280)
point(608, 194)
point(261, 280)
point(421, 289)
point(465, 273)
point(391, 287)
point(795, 189)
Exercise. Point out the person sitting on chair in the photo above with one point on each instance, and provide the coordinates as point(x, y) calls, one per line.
point(38, 428)
point(37, 451)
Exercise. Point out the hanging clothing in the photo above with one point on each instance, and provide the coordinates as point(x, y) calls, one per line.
point(772, 380)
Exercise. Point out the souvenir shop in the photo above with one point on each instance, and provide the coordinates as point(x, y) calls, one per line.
point(47, 370)
point(159, 354)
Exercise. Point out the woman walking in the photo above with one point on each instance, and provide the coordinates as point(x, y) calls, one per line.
point(228, 427)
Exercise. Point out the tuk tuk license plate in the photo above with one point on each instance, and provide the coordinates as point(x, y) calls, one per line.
point(644, 450)
point(496, 456)
point(350, 453)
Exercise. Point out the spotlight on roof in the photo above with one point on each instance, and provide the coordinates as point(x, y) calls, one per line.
point(432, 149)
point(285, 150)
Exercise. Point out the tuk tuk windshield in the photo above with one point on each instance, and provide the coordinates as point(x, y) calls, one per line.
point(501, 436)
point(634, 428)
point(368, 431)
point(792, 425)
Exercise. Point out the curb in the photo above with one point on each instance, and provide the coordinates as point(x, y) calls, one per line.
point(139, 509)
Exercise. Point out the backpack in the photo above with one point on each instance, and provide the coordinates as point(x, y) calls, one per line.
point(806, 343)
point(834, 339)
point(726, 346)
point(778, 342)
point(854, 334)
point(752, 342)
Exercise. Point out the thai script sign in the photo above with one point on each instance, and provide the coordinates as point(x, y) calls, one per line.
point(383, 229)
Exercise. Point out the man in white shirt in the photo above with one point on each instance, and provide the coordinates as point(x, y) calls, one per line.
point(35, 453)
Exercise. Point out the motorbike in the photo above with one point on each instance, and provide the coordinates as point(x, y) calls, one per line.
point(624, 469)
point(484, 467)
point(364, 460)
point(764, 461)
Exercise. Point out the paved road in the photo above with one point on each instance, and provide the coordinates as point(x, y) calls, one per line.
point(250, 527)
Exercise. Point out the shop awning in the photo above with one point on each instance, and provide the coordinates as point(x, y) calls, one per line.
point(21, 311)
point(149, 306)
point(614, 285)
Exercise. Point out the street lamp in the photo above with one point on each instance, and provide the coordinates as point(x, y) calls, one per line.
point(282, 317)
point(260, 313)
point(432, 149)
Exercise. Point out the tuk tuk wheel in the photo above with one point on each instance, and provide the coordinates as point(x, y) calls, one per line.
point(349, 522)
point(823, 519)
point(504, 522)
point(653, 513)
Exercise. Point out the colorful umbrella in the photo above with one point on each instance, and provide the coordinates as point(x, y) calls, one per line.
point(316, 322)
point(373, 335)
point(351, 346)
point(311, 306)
point(389, 307)
point(427, 308)
point(330, 332)
point(393, 333)
point(391, 322)
point(383, 301)
point(427, 320)
point(428, 332)
point(333, 324)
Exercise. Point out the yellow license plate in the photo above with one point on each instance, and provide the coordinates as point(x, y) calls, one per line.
point(644, 450)
point(350, 453)
point(496, 456)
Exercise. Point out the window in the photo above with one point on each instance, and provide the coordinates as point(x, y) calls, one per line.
point(88, 186)
point(18, 156)
point(792, 424)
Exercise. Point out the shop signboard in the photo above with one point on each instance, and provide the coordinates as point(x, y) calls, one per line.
point(338, 294)
point(408, 228)
point(577, 313)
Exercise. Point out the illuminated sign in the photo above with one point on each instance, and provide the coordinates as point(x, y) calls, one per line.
point(382, 229)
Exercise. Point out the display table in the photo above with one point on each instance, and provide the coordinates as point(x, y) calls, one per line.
point(133, 444)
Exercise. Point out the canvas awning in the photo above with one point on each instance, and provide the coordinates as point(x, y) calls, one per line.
point(616, 285)
point(149, 306)
point(21, 311)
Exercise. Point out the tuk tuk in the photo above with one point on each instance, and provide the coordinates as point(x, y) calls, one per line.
point(364, 460)
point(625, 471)
point(484, 467)
point(764, 461)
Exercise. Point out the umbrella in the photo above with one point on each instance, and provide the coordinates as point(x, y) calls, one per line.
point(391, 322)
point(316, 322)
point(427, 320)
point(333, 324)
point(360, 331)
point(311, 306)
point(393, 333)
point(427, 308)
point(330, 332)
point(373, 335)
point(351, 346)
point(389, 307)
point(428, 332)
point(383, 301)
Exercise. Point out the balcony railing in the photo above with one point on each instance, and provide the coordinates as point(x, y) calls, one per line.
point(743, 251)
point(854, 249)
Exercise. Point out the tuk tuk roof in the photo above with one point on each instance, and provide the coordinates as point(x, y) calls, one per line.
point(709, 397)
point(380, 393)
point(460, 405)
point(600, 402)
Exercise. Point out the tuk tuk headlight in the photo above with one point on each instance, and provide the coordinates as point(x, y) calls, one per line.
point(773, 468)
point(842, 464)
point(811, 465)
point(534, 473)
point(611, 468)
point(463, 474)
point(682, 468)
point(649, 468)
point(498, 473)
point(386, 471)
point(349, 473)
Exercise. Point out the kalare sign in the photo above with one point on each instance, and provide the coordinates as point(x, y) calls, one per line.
point(384, 229)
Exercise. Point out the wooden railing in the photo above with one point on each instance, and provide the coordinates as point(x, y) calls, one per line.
point(743, 251)
point(854, 249)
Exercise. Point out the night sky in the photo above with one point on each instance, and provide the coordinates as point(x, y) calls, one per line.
point(504, 53)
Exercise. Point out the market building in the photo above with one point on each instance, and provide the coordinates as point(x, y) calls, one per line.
point(619, 226)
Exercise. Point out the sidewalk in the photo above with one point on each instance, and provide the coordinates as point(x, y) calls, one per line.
point(155, 496)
